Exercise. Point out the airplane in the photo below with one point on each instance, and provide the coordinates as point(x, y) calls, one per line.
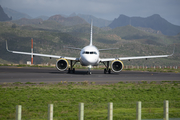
point(89, 56)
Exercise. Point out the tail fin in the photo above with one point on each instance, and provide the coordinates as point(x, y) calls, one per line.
point(91, 33)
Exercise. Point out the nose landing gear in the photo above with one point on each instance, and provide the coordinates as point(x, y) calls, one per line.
point(89, 70)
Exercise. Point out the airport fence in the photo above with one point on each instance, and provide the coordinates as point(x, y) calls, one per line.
point(118, 111)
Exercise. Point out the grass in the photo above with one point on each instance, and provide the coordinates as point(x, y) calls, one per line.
point(154, 70)
point(65, 96)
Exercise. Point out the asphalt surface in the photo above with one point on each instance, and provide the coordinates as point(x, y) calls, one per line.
point(52, 75)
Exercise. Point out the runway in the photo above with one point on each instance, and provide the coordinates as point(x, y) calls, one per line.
point(51, 75)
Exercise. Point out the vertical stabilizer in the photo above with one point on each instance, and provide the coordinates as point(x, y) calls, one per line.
point(91, 32)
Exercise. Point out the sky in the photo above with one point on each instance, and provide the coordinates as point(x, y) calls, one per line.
point(106, 9)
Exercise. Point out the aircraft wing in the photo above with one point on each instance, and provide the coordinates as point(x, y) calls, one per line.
point(42, 55)
point(131, 58)
point(138, 57)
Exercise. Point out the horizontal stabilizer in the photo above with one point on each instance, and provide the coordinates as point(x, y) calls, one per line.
point(108, 49)
point(73, 48)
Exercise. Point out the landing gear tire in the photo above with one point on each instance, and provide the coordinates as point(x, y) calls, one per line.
point(89, 73)
point(105, 71)
point(109, 71)
point(71, 71)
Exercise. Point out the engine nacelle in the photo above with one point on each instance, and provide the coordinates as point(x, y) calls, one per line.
point(117, 65)
point(62, 64)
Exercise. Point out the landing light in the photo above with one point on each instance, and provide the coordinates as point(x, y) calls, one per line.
point(90, 66)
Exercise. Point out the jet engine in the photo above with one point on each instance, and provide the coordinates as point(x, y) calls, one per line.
point(117, 65)
point(62, 64)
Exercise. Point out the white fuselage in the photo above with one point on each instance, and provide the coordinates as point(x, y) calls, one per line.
point(89, 55)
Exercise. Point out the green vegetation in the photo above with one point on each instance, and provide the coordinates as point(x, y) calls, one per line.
point(174, 70)
point(154, 70)
point(66, 96)
point(50, 37)
point(25, 65)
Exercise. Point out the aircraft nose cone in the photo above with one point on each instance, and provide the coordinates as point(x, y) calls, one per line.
point(90, 60)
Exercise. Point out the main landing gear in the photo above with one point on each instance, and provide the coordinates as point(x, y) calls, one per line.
point(71, 69)
point(107, 69)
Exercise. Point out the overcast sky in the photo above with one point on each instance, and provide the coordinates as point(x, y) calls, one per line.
point(107, 9)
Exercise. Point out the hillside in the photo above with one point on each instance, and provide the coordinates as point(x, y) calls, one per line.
point(98, 22)
point(3, 15)
point(15, 14)
point(43, 17)
point(69, 21)
point(46, 42)
point(25, 21)
point(51, 36)
point(155, 22)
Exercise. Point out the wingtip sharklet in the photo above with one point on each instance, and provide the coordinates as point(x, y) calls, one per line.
point(173, 50)
point(7, 46)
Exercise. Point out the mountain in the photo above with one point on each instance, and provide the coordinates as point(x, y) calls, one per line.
point(43, 17)
point(49, 39)
point(49, 42)
point(150, 30)
point(155, 22)
point(98, 22)
point(69, 21)
point(16, 15)
point(3, 16)
point(25, 21)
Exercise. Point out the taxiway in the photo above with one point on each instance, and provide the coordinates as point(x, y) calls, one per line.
point(52, 75)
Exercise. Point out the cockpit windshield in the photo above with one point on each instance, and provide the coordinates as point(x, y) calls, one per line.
point(91, 52)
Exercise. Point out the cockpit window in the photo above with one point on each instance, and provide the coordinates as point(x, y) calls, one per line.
point(87, 52)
